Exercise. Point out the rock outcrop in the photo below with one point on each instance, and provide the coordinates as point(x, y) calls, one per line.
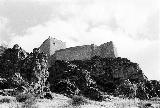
point(24, 72)
point(28, 73)
point(98, 74)
point(70, 79)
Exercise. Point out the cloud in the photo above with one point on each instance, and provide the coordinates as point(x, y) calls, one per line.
point(149, 59)
point(151, 27)
point(131, 16)
point(22, 15)
point(131, 25)
point(3, 29)
point(36, 35)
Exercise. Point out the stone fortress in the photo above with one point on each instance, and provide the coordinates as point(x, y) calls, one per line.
point(56, 50)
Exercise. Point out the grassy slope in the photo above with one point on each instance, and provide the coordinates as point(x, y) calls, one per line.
point(61, 101)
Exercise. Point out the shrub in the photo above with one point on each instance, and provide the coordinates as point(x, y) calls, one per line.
point(78, 100)
point(23, 97)
point(5, 100)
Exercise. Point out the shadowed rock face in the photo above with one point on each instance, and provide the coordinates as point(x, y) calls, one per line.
point(10, 61)
point(98, 74)
point(70, 79)
point(117, 76)
point(21, 71)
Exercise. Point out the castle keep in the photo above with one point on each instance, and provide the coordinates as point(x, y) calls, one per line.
point(56, 50)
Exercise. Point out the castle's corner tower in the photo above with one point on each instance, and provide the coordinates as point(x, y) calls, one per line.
point(50, 45)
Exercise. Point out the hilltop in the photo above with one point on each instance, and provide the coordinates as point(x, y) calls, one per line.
point(28, 73)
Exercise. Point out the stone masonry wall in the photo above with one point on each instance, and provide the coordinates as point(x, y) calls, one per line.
point(56, 45)
point(56, 50)
point(51, 45)
point(85, 52)
point(74, 53)
point(45, 47)
point(107, 50)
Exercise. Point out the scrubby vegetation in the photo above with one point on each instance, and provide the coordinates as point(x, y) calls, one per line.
point(23, 74)
point(26, 76)
point(78, 100)
point(114, 76)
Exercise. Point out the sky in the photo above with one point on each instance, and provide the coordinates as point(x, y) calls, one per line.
point(132, 25)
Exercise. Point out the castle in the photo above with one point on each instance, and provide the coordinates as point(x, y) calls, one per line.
point(56, 50)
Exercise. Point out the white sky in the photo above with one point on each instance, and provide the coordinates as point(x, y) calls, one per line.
point(133, 26)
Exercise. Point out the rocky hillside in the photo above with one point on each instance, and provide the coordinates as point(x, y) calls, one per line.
point(116, 76)
point(90, 78)
point(2, 49)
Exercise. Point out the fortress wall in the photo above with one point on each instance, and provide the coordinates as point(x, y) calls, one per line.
point(45, 47)
point(56, 50)
point(107, 50)
point(51, 45)
point(56, 45)
point(74, 53)
point(85, 52)
point(104, 50)
point(97, 51)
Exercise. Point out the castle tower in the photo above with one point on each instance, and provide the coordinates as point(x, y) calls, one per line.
point(50, 45)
